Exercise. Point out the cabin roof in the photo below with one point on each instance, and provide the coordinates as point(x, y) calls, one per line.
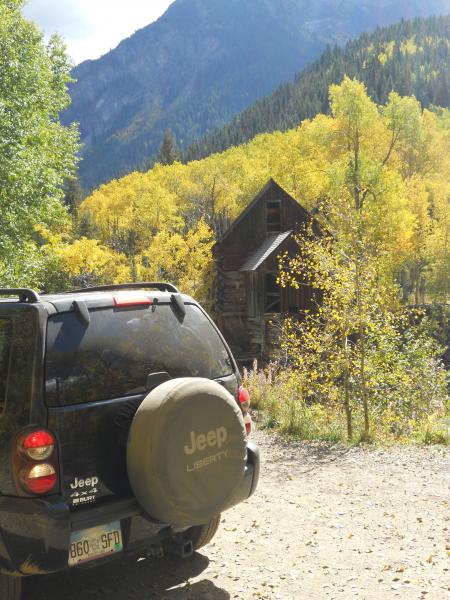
point(269, 246)
point(270, 184)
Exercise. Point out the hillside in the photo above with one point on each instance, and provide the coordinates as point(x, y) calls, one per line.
point(200, 64)
point(412, 58)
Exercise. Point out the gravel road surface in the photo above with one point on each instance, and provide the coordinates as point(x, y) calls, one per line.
point(326, 522)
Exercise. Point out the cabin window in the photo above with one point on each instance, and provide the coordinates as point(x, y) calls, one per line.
point(272, 294)
point(273, 216)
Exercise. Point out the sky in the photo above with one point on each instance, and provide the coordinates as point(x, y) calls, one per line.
point(93, 27)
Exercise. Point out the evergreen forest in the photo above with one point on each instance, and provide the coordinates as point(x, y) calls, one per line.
point(411, 58)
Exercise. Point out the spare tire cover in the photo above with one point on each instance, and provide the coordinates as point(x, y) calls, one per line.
point(186, 451)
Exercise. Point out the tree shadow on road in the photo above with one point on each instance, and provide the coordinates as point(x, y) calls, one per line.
point(306, 456)
point(129, 579)
point(325, 454)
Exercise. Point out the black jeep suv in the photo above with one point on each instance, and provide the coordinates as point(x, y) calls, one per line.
point(123, 428)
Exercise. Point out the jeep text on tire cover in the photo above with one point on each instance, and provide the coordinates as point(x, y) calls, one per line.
point(201, 441)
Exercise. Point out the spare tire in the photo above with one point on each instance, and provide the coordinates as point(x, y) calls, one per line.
point(186, 451)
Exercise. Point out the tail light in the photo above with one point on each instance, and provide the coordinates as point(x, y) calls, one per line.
point(244, 403)
point(39, 445)
point(40, 479)
point(35, 462)
point(244, 399)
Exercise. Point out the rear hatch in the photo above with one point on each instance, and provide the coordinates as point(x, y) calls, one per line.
point(102, 358)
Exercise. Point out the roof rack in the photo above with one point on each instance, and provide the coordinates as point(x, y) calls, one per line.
point(162, 287)
point(25, 294)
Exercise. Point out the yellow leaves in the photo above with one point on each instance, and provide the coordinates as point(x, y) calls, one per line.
point(136, 205)
point(186, 260)
point(387, 53)
point(85, 257)
point(47, 235)
point(351, 106)
point(409, 46)
point(81, 262)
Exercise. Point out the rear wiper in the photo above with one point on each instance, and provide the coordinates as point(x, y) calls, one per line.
point(82, 312)
point(178, 305)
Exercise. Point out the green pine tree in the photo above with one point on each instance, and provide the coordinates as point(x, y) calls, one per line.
point(168, 151)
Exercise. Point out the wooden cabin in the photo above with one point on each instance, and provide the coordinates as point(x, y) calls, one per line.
point(249, 301)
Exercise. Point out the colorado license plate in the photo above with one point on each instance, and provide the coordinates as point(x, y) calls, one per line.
point(89, 544)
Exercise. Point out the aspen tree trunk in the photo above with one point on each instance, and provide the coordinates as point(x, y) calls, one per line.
point(132, 253)
point(362, 352)
point(364, 383)
point(133, 268)
point(358, 283)
point(417, 284)
point(347, 408)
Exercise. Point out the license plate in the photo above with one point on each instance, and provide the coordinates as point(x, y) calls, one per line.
point(89, 544)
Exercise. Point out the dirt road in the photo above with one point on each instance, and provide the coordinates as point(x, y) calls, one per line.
point(327, 522)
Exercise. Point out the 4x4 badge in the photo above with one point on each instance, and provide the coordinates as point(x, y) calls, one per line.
point(85, 490)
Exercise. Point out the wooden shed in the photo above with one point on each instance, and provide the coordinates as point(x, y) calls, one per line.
point(249, 301)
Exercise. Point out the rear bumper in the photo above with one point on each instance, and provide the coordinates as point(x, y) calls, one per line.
point(251, 476)
point(35, 533)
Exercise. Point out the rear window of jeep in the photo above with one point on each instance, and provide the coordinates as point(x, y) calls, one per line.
point(113, 355)
point(5, 351)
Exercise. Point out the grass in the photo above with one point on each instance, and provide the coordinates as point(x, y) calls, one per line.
point(280, 407)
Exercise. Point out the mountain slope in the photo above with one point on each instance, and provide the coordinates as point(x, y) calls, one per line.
point(412, 58)
point(200, 64)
